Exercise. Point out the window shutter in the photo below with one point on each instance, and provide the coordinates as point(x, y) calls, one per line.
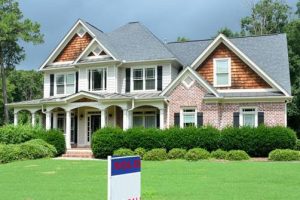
point(261, 118)
point(127, 89)
point(76, 82)
point(199, 119)
point(177, 119)
point(159, 78)
point(89, 80)
point(158, 120)
point(51, 84)
point(52, 119)
point(236, 119)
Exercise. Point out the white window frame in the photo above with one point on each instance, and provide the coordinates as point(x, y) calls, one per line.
point(182, 115)
point(254, 112)
point(215, 71)
point(91, 79)
point(143, 68)
point(65, 83)
point(144, 114)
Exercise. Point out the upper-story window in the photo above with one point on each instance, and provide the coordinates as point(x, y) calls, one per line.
point(143, 79)
point(222, 72)
point(65, 83)
point(98, 79)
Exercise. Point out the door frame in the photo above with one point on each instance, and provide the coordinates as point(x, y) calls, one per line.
point(89, 114)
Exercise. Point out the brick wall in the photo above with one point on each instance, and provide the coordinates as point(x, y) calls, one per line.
point(242, 76)
point(74, 48)
point(219, 115)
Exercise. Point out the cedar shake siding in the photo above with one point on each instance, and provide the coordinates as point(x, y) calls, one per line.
point(242, 76)
point(74, 48)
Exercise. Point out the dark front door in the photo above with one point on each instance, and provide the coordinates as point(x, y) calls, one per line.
point(94, 123)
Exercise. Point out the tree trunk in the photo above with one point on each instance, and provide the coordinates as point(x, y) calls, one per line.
point(4, 95)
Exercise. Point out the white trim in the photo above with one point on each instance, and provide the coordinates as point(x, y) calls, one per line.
point(221, 38)
point(65, 83)
point(186, 84)
point(242, 112)
point(285, 114)
point(246, 90)
point(198, 78)
point(83, 94)
point(104, 81)
point(181, 115)
point(143, 68)
point(228, 71)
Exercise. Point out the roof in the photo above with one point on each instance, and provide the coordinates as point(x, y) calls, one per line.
point(269, 52)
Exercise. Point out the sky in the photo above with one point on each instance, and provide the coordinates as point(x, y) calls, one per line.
point(167, 19)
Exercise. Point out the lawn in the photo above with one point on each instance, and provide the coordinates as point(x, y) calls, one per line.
point(169, 180)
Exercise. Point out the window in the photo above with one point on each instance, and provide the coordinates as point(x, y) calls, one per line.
point(248, 117)
point(61, 122)
point(98, 80)
point(189, 117)
point(222, 77)
point(144, 79)
point(146, 119)
point(65, 83)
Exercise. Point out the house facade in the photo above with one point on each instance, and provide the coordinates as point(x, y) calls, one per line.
point(129, 78)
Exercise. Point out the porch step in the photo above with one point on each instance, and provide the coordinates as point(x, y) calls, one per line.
point(78, 153)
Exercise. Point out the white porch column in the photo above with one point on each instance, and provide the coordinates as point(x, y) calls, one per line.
point(48, 120)
point(130, 119)
point(33, 118)
point(68, 129)
point(55, 120)
point(15, 118)
point(125, 119)
point(103, 118)
point(161, 118)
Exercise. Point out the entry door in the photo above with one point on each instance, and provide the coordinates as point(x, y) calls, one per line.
point(94, 123)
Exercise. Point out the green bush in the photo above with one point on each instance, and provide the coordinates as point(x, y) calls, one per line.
point(32, 149)
point(176, 153)
point(156, 155)
point(123, 152)
point(10, 134)
point(284, 155)
point(237, 155)
point(219, 154)
point(106, 140)
point(140, 152)
point(297, 147)
point(257, 141)
point(197, 154)
point(56, 138)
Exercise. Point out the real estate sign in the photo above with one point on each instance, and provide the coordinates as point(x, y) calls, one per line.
point(124, 178)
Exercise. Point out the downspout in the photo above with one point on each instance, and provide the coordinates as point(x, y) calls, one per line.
point(168, 113)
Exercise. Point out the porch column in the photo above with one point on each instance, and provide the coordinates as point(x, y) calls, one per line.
point(161, 118)
point(15, 118)
point(48, 120)
point(125, 119)
point(130, 119)
point(55, 120)
point(33, 118)
point(68, 129)
point(103, 117)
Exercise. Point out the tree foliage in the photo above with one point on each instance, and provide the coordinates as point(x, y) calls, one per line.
point(228, 32)
point(182, 39)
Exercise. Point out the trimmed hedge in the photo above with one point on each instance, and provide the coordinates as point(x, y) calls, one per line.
point(156, 155)
point(219, 154)
point(140, 152)
point(56, 138)
point(177, 153)
point(284, 155)
point(123, 152)
point(197, 154)
point(33, 149)
point(257, 142)
point(297, 147)
point(237, 155)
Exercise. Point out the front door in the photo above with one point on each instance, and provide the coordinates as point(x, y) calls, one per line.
point(94, 123)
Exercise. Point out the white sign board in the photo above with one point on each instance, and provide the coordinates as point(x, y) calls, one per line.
point(124, 178)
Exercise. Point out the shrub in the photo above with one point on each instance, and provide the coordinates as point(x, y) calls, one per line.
point(106, 140)
point(257, 141)
point(237, 155)
point(284, 155)
point(176, 153)
point(156, 154)
point(140, 152)
point(123, 152)
point(219, 154)
point(297, 147)
point(10, 134)
point(196, 154)
point(56, 138)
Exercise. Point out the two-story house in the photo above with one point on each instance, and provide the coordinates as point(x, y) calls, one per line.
point(129, 78)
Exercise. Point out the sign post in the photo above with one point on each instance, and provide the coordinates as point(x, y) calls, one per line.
point(124, 178)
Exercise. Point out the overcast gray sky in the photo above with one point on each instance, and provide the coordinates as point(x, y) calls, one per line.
point(167, 19)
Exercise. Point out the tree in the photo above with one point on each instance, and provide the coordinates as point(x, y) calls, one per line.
point(182, 39)
point(228, 32)
point(13, 29)
point(267, 17)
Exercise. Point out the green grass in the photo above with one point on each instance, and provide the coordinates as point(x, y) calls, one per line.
point(169, 180)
